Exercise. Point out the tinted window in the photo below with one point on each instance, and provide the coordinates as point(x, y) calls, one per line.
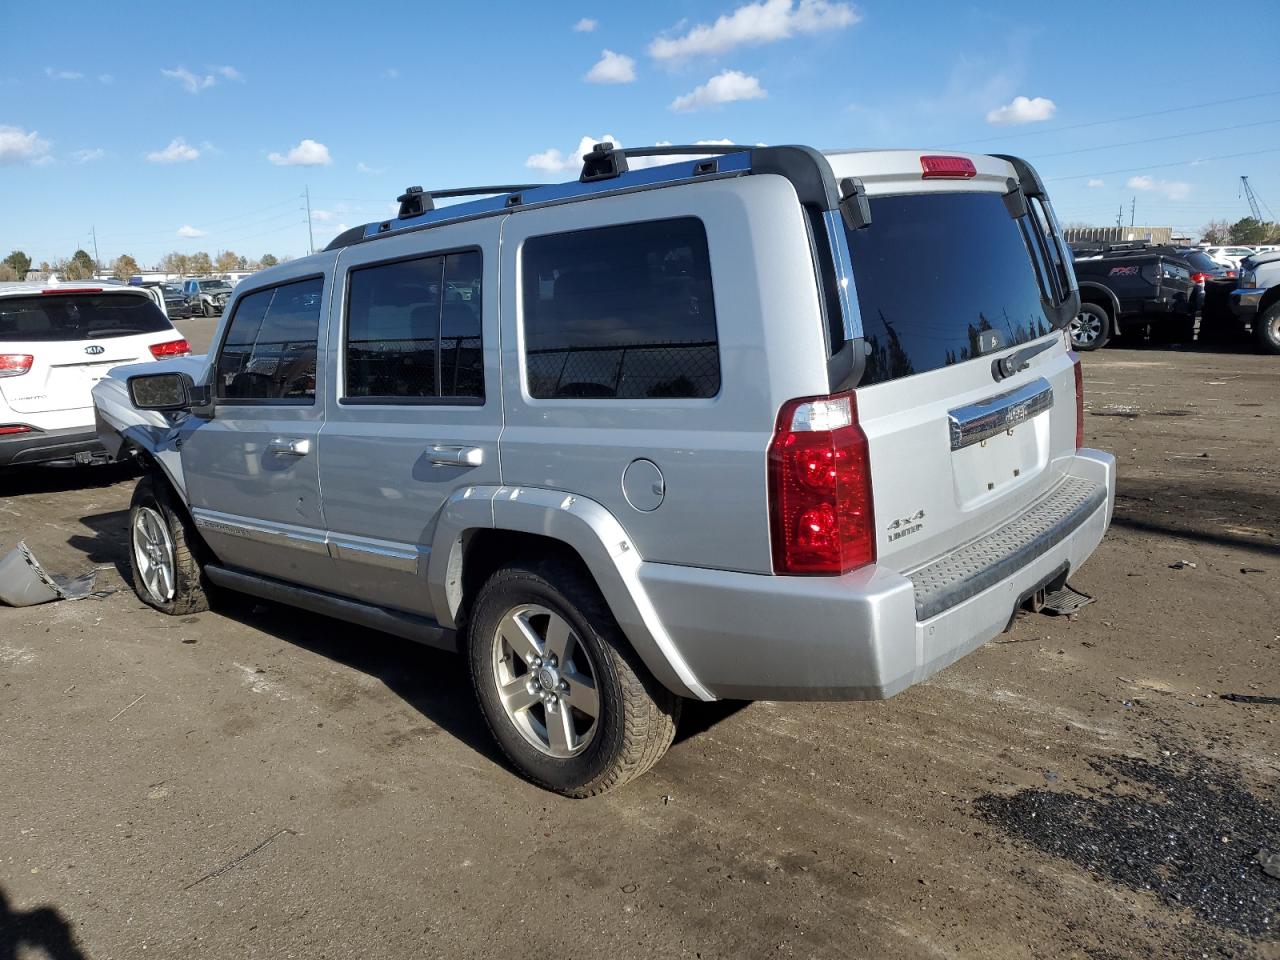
point(621, 312)
point(413, 329)
point(270, 349)
point(942, 278)
point(79, 317)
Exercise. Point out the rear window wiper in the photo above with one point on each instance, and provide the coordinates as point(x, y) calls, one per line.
point(1005, 367)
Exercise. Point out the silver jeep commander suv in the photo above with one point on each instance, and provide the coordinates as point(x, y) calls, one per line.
point(757, 423)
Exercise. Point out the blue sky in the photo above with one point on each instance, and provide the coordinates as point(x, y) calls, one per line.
point(147, 124)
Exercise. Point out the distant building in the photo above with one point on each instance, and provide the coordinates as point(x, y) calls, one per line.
point(1119, 234)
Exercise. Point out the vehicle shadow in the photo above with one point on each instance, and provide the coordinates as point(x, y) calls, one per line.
point(109, 543)
point(1191, 512)
point(46, 478)
point(42, 930)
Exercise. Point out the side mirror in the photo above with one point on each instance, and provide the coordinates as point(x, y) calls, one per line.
point(165, 392)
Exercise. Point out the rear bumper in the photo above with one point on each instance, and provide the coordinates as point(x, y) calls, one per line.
point(46, 445)
point(872, 633)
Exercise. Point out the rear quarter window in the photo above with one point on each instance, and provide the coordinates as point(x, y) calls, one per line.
point(622, 312)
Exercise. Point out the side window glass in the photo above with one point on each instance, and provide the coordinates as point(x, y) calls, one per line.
point(1044, 226)
point(623, 312)
point(414, 330)
point(270, 348)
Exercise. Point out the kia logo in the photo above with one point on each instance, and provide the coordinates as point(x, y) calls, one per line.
point(95, 350)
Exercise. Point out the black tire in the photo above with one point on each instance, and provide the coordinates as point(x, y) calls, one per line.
point(188, 589)
point(1266, 329)
point(1090, 313)
point(205, 309)
point(637, 716)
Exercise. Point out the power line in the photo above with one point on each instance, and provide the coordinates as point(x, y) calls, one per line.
point(1176, 163)
point(1098, 123)
point(1172, 136)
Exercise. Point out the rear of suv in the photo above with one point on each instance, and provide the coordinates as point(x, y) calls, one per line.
point(56, 342)
point(761, 424)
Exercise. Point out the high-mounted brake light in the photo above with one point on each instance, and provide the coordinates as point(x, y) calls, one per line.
point(1079, 404)
point(173, 348)
point(15, 364)
point(935, 167)
point(820, 488)
point(59, 290)
point(9, 429)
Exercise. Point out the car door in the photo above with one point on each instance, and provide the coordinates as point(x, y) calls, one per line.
point(416, 412)
point(251, 466)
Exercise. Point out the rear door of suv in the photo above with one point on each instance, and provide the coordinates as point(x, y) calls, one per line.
point(60, 341)
point(947, 282)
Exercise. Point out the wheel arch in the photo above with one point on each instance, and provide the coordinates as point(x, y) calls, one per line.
point(1093, 292)
point(479, 529)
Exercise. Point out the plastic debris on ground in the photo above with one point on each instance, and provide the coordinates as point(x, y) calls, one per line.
point(24, 583)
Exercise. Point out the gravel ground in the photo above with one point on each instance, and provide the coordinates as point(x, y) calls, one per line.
point(258, 782)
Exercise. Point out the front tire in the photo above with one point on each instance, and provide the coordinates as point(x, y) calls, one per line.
point(569, 702)
point(205, 309)
point(1091, 327)
point(166, 571)
point(1266, 329)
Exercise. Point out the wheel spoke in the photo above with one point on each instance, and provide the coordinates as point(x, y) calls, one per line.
point(581, 694)
point(560, 729)
point(516, 694)
point(166, 580)
point(521, 637)
point(559, 641)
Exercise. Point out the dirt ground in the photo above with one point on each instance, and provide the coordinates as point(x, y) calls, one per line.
point(259, 782)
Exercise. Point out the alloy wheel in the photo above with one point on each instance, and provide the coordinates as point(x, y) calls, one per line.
point(153, 554)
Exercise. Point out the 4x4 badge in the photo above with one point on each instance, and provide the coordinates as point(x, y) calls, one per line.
point(905, 526)
point(95, 349)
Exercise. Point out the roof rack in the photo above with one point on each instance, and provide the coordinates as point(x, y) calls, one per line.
point(606, 160)
point(415, 201)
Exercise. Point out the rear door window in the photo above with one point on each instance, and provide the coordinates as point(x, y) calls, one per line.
point(621, 313)
point(52, 317)
point(943, 278)
point(269, 353)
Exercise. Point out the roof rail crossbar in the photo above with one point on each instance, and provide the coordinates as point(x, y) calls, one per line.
point(606, 161)
point(415, 201)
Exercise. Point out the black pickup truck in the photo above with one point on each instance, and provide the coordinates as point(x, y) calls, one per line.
point(1129, 290)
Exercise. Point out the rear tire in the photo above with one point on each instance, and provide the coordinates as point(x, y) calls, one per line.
point(1266, 329)
point(167, 574)
point(1091, 327)
point(546, 653)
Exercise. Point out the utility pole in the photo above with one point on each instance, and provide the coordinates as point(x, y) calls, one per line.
point(1133, 205)
point(311, 239)
point(93, 232)
point(1120, 217)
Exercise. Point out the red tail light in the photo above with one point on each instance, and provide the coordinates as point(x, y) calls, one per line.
point(1199, 277)
point(947, 168)
point(173, 348)
point(1231, 274)
point(1079, 405)
point(820, 488)
point(15, 364)
point(9, 430)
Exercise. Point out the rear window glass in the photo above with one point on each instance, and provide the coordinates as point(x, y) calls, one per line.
point(621, 312)
point(942, 278)
point(79, 317)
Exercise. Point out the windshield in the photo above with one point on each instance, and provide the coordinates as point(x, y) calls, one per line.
point(78, 317)
point(943, 278)
point(215, 286)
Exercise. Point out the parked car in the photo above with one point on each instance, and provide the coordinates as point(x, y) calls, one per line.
point(635, 438)
point(175, 302)
point(1229, 256)
point(1203, 270)
point(56, 341)
point(1130, 290)
point(206, 297)
point(1257, 299)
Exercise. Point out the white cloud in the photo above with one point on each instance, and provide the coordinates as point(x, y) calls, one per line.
point(23, 146)
point(106, 78)
point(1023, 110)
point(756, 23)
point(62, 74)
point(229, 73)
point(586, 25)
point(308, 153)
point(363, 167)
point(88, 156)
point(178, 151)
point(613, 68)
point(1095, 182)
point(190, 82)
point(190, 232)
point(724, 87)
point(1169, 189)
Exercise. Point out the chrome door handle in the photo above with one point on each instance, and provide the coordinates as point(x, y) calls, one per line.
point(452, 455)
point(289, 448)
